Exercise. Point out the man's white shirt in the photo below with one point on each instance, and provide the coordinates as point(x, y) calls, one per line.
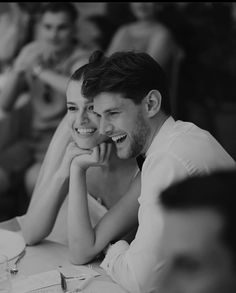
point(179, 150)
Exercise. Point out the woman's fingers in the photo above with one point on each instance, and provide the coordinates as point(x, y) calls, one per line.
point(74, 151)
point(108, 152)
point(97, 156)
point(103, 149)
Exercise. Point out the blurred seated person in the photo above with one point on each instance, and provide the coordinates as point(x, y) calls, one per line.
point(148, 35)
point(16, 28)
point(43, 68)
point(199, 240)
point(102, 27)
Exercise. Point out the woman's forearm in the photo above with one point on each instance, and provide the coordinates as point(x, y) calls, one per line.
point(85, 241)
point(43, 209)
point(80, 231)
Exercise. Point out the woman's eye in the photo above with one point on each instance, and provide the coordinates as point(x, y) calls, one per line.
point(71, 108)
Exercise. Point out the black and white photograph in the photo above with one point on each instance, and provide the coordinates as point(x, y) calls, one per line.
point(117, 147)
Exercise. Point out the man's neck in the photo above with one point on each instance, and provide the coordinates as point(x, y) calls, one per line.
point(156, 125)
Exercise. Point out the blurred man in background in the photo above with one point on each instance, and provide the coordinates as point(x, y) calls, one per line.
point(42, 69)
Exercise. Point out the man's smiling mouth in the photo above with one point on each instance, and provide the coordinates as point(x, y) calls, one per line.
point(119, 138)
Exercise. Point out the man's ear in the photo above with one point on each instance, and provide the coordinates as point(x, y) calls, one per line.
point(153, 103)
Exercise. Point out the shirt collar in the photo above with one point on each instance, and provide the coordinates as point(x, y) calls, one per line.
point(161, 134)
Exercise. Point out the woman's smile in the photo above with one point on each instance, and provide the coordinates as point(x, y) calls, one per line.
point(85, 131)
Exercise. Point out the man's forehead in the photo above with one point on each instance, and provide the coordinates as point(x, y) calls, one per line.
point(59, 16)
point(108, 101)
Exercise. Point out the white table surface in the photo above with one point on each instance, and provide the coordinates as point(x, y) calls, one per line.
point(46, 256)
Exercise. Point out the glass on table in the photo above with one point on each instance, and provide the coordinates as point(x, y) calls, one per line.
point(5, 278)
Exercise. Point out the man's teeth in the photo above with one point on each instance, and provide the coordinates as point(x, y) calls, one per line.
point(119, 137)
point(85, 130)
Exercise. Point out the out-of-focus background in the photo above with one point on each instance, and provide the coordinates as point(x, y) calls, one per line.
point(194, 42)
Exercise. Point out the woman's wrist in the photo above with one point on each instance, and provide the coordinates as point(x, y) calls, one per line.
point(80, 170)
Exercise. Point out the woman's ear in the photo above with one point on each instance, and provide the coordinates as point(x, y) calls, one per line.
point(152, 103)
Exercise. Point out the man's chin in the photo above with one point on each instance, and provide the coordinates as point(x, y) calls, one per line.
point(123, 154)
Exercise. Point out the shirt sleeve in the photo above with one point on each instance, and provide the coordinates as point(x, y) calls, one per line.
point(138, 267)
point(116, 265)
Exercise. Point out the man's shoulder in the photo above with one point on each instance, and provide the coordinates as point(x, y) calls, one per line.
point(187, 145)
point(171, 134)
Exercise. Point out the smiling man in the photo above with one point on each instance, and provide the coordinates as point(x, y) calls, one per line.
point(131, 99)
point(199, 240)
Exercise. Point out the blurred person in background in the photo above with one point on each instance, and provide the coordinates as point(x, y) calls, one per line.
point(17, 28)
point(102, 27)
point(42, 68)
point(198, 241)
point(147, 34)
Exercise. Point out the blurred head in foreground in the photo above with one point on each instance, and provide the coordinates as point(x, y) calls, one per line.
point(199, 239)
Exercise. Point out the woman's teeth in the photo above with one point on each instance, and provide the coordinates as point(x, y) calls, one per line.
point(85, 130)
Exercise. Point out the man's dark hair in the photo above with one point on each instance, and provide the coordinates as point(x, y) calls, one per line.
point(56, 7)
point(132, 74)
point(216, 191)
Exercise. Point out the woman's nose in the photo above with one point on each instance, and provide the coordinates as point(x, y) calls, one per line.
point(82, 118)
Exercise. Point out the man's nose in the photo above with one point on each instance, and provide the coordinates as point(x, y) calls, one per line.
point(105, 127)
point(53, 34)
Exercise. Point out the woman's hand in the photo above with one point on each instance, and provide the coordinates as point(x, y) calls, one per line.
point(72, 151)
point(96, 157)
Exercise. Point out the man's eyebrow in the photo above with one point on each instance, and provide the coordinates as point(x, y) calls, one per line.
point(112, 109)
point(70, 103)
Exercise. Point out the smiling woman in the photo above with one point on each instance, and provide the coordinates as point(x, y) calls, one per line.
point(83, 121)
point(101, 205)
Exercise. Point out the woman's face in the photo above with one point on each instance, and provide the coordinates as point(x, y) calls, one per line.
point(83, 123)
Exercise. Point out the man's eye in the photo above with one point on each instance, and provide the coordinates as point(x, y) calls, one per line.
point(90, 109)
point(47, 26)
point(114, 113)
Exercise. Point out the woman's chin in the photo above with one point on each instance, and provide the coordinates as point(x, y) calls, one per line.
point(90, 143)
point(85, 145)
